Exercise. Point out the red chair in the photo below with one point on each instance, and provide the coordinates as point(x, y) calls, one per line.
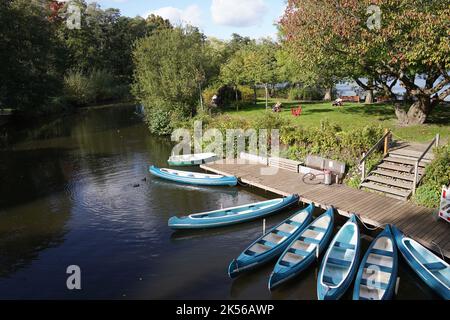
point(296, 112)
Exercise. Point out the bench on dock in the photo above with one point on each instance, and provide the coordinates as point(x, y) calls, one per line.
point(286, 164)
point(337, 168)
point(350, 98)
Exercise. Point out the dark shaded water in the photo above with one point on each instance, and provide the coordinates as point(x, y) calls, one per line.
point(69, 196)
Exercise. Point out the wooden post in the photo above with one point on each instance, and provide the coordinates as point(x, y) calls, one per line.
point(363, 169)
point(386, 142)
point(437, 140)
point(416, 172)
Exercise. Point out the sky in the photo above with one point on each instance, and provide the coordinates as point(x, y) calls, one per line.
point(217, 18)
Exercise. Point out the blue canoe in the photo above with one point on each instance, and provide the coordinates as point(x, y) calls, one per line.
point(434, 271)
point(302, 251)
point(194, 178)
point(340, 263)
point(272, 243)
point(224, 217)
point(377, 274)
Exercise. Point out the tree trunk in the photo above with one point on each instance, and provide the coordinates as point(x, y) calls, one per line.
point(369, 97)
point(267, 95)
point(201, 97)
point(255, 96)
point(417, 113)
point(237, 97)
point(328, 94)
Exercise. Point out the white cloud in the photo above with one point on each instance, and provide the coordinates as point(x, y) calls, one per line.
point(238, 13)
point(190, 15)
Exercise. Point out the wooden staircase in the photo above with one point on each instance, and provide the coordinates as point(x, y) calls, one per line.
point(395, 176)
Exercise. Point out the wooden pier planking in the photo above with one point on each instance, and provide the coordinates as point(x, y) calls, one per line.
point(375, 209)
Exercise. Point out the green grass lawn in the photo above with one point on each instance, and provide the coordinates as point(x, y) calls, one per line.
point(353, 115)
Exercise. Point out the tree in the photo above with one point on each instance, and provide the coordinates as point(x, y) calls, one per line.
point(30, 55)
point(169, 70)
point(411, 41)
point(232, 73)
point(260, 65)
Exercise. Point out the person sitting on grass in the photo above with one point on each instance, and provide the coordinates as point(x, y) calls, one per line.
point(277, 107)
point(338, 102)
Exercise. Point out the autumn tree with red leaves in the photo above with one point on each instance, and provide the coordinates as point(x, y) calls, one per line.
point(412, 41)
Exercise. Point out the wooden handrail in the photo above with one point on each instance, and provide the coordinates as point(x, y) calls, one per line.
point(374, 147)
point(428, 148)
point(416, 181)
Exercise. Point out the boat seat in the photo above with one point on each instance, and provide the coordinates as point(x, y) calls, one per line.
point(309, 240)
point(308, 233)
point(257, 248)
point(381, 268)
point(267, 243)
point(300, 218)
point(374, 284)
point(373, 273)
point(379, 260)
point(318, 229)
point(286, 263)
point(275, 238)
point(282, 233)
point(366, 293)
point(382, 252)
point(287, 228)
point(328, 280)
point(298, 252)
point(344, 245)
point(292, 258)
point(339, 262)
point(434, 266)
point(300, 245)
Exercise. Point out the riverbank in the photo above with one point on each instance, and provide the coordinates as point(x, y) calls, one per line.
point(353, 115)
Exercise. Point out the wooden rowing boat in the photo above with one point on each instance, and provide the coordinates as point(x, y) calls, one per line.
point(340, 263)
point(377, 274)
point(228, 216)
point(271, 244)
point(193, 178)
point(303, 250)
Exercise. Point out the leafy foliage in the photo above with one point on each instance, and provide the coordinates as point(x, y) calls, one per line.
point(437, 174)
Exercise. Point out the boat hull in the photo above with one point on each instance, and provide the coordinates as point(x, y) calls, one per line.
point(411, 256)
point(345, 276)
point(191, 160)
point(222, 181)
point(389, 258)
point(282, 274)
point(193, 222)
point(246, 262)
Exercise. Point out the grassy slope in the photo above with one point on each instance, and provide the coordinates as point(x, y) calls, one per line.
point(357, 115)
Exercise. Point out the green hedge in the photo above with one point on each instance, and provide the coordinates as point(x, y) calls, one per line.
point(436, 175)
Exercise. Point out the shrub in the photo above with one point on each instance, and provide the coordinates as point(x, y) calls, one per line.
point(76, 87)
point(97, 86)
point(159, 121)
point(436, 175)
point(246, 94)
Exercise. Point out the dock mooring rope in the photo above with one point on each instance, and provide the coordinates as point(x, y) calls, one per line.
point(380, 226)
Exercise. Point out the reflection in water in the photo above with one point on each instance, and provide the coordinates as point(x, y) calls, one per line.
point(77, 191)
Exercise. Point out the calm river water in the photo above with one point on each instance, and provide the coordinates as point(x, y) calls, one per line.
point(76, 191)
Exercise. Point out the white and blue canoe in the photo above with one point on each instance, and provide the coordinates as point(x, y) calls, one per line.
point(434, 271)
point(194, 178)
point(272, 243)
point(228, 216)
point(377, 274)
point(340, 263)
point(303, 250)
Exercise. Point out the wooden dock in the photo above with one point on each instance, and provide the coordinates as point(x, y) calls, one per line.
point(415, 221)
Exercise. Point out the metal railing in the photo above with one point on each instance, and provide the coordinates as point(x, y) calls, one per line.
point(375, 147)
point(416, 180)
